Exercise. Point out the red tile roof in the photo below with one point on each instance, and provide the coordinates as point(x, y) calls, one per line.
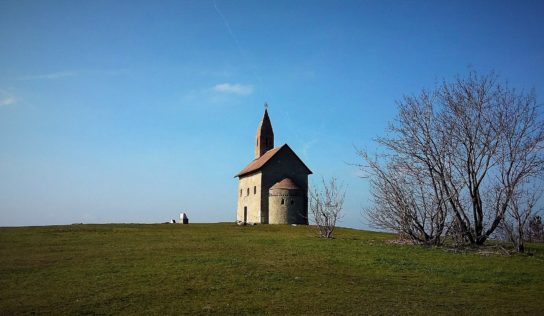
point(258, 163)
point(286, 183)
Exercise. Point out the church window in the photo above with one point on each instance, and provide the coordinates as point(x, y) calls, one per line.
point(240, 192)
point(282, 201)
point(292, 202)
point(247, 191)
point(255, 190)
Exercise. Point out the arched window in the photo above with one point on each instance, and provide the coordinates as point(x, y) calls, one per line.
point(247, 191)
point(255, 190)
point(282, 201)
point(240, 192)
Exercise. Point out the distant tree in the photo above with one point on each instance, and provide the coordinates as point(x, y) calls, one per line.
point(326, 204)
point(517, 221)
point(457, 154)
point(535, 229)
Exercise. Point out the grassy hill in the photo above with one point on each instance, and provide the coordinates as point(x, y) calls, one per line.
point(229, 269)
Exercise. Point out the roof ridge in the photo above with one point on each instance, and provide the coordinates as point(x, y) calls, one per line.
point(260, 162)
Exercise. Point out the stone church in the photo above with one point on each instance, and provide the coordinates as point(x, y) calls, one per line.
point(273, 188)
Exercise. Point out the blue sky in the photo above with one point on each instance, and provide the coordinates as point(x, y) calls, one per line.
point(133, 111)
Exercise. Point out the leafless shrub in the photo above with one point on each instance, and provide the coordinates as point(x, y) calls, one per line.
point(326, 204)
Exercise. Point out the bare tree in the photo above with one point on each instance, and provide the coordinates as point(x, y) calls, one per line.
point(326, 204)
point(496, 146)
point(473, 143)
point(405, 183)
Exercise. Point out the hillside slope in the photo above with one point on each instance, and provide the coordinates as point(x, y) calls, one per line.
point(229, 269)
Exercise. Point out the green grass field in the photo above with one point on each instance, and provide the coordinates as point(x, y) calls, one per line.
point(229, 269)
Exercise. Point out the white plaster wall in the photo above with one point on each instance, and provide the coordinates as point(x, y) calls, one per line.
point(252, 200)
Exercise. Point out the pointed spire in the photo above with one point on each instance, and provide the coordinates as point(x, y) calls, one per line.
point(265, 135)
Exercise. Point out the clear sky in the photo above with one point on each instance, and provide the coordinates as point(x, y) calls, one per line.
point(133, 111)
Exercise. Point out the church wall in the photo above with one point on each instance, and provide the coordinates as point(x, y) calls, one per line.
point(284, 165)
point(252, 200)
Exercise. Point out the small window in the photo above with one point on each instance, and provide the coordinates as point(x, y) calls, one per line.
point(292, 202)
point(247, 191)
point(240, 192)
point(255, 190)
point(282, 201)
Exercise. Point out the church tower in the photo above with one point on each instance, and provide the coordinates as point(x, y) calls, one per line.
point(265, 135)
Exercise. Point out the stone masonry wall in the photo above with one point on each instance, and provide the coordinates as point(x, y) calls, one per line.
point(286, 207)
point(284, 165)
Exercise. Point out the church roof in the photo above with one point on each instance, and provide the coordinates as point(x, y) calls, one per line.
point(286, 183)
point(260, 162)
